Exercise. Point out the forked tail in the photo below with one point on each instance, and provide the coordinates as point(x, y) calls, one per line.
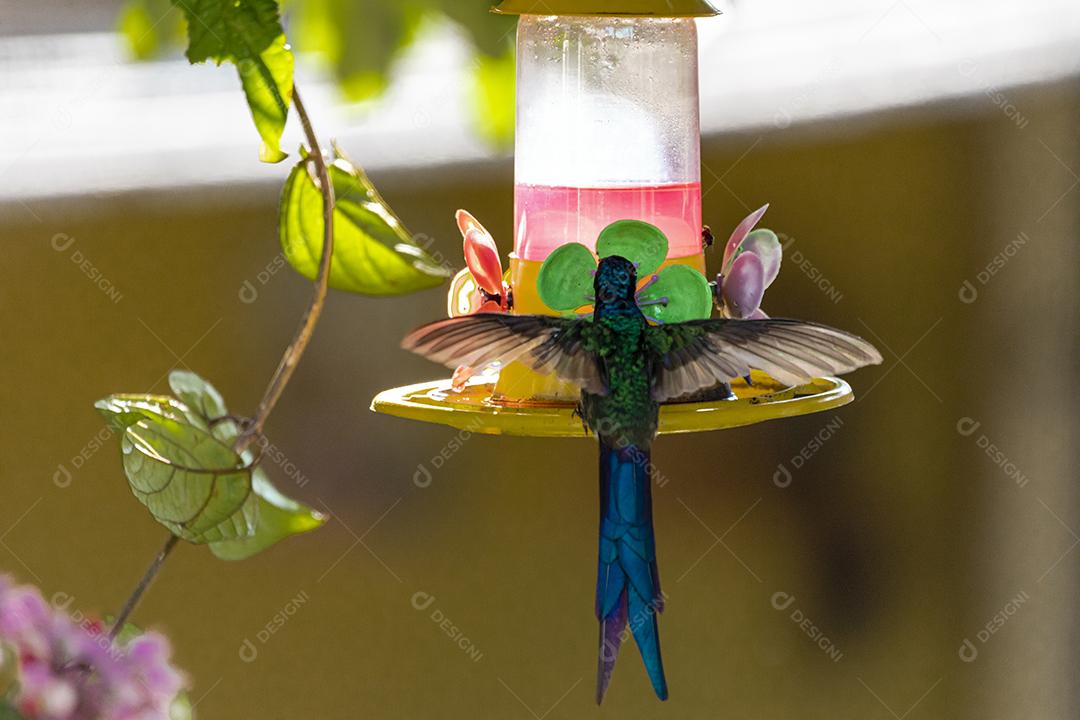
point(627, 584)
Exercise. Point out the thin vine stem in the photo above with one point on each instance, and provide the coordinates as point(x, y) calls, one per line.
point(295, 351)
point(289, 360)
point(147, 578)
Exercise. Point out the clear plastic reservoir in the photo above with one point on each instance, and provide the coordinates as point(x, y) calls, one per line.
point(607, 129)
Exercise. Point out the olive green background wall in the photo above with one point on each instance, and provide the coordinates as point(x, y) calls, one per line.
point(897, 540)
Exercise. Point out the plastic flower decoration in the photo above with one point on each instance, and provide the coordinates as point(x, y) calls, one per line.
point(53, 667)
point(751, 262)
point(675, 294)
point(481, 286)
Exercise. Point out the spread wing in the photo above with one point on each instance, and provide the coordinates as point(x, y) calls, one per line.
point(699, 354)
point(545, 344)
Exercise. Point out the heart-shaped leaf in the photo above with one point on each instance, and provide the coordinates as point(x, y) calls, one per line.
point(639, 242)
point(565, 281)
point(273, 515)
point(190, 481)
point(373, 252)
point(180, 464)
point(679, 293)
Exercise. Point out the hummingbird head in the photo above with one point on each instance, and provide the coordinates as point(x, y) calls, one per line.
point(616, 281)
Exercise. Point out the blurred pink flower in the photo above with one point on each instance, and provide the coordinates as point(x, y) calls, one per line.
point(68, 670)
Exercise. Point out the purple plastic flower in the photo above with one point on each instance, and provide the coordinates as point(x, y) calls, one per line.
point(66, 669)
point(751, 263)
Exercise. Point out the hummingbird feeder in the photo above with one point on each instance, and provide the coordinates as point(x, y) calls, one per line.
point(608, 161)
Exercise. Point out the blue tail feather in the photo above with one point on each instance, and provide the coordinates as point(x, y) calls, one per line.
point(628, 584)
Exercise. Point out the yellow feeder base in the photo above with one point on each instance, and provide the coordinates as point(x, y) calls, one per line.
point(473, 409)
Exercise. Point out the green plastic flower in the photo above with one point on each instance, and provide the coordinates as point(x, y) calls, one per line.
point(677, 293)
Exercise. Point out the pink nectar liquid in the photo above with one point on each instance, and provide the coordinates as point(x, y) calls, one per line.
point(546, 217)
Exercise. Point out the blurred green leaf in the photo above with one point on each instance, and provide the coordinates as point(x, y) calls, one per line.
point(247, 33)
point(7, 712)
point(360, 41)
point(494, 79)
point(373, 252)
point(190, 481)
point(150, 27)
point(9, 672)
point(129, 632)
point(490, 33)
point(181, 707)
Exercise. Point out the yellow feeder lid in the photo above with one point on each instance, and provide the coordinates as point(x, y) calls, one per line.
point(628, 8)
point(474, 410)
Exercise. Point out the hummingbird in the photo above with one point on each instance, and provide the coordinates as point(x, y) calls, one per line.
point(626, 368)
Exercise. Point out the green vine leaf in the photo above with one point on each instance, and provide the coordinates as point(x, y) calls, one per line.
point(278, 518)
point(180, 464)
point(373, 252)
point(247, 33)
point(190, 481)
point(200, 396)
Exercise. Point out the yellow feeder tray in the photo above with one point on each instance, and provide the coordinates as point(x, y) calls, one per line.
point(475, 410)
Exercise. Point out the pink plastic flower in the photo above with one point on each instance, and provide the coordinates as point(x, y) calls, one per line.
point(68, 670)
point(480, 286)
point(751, 262)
